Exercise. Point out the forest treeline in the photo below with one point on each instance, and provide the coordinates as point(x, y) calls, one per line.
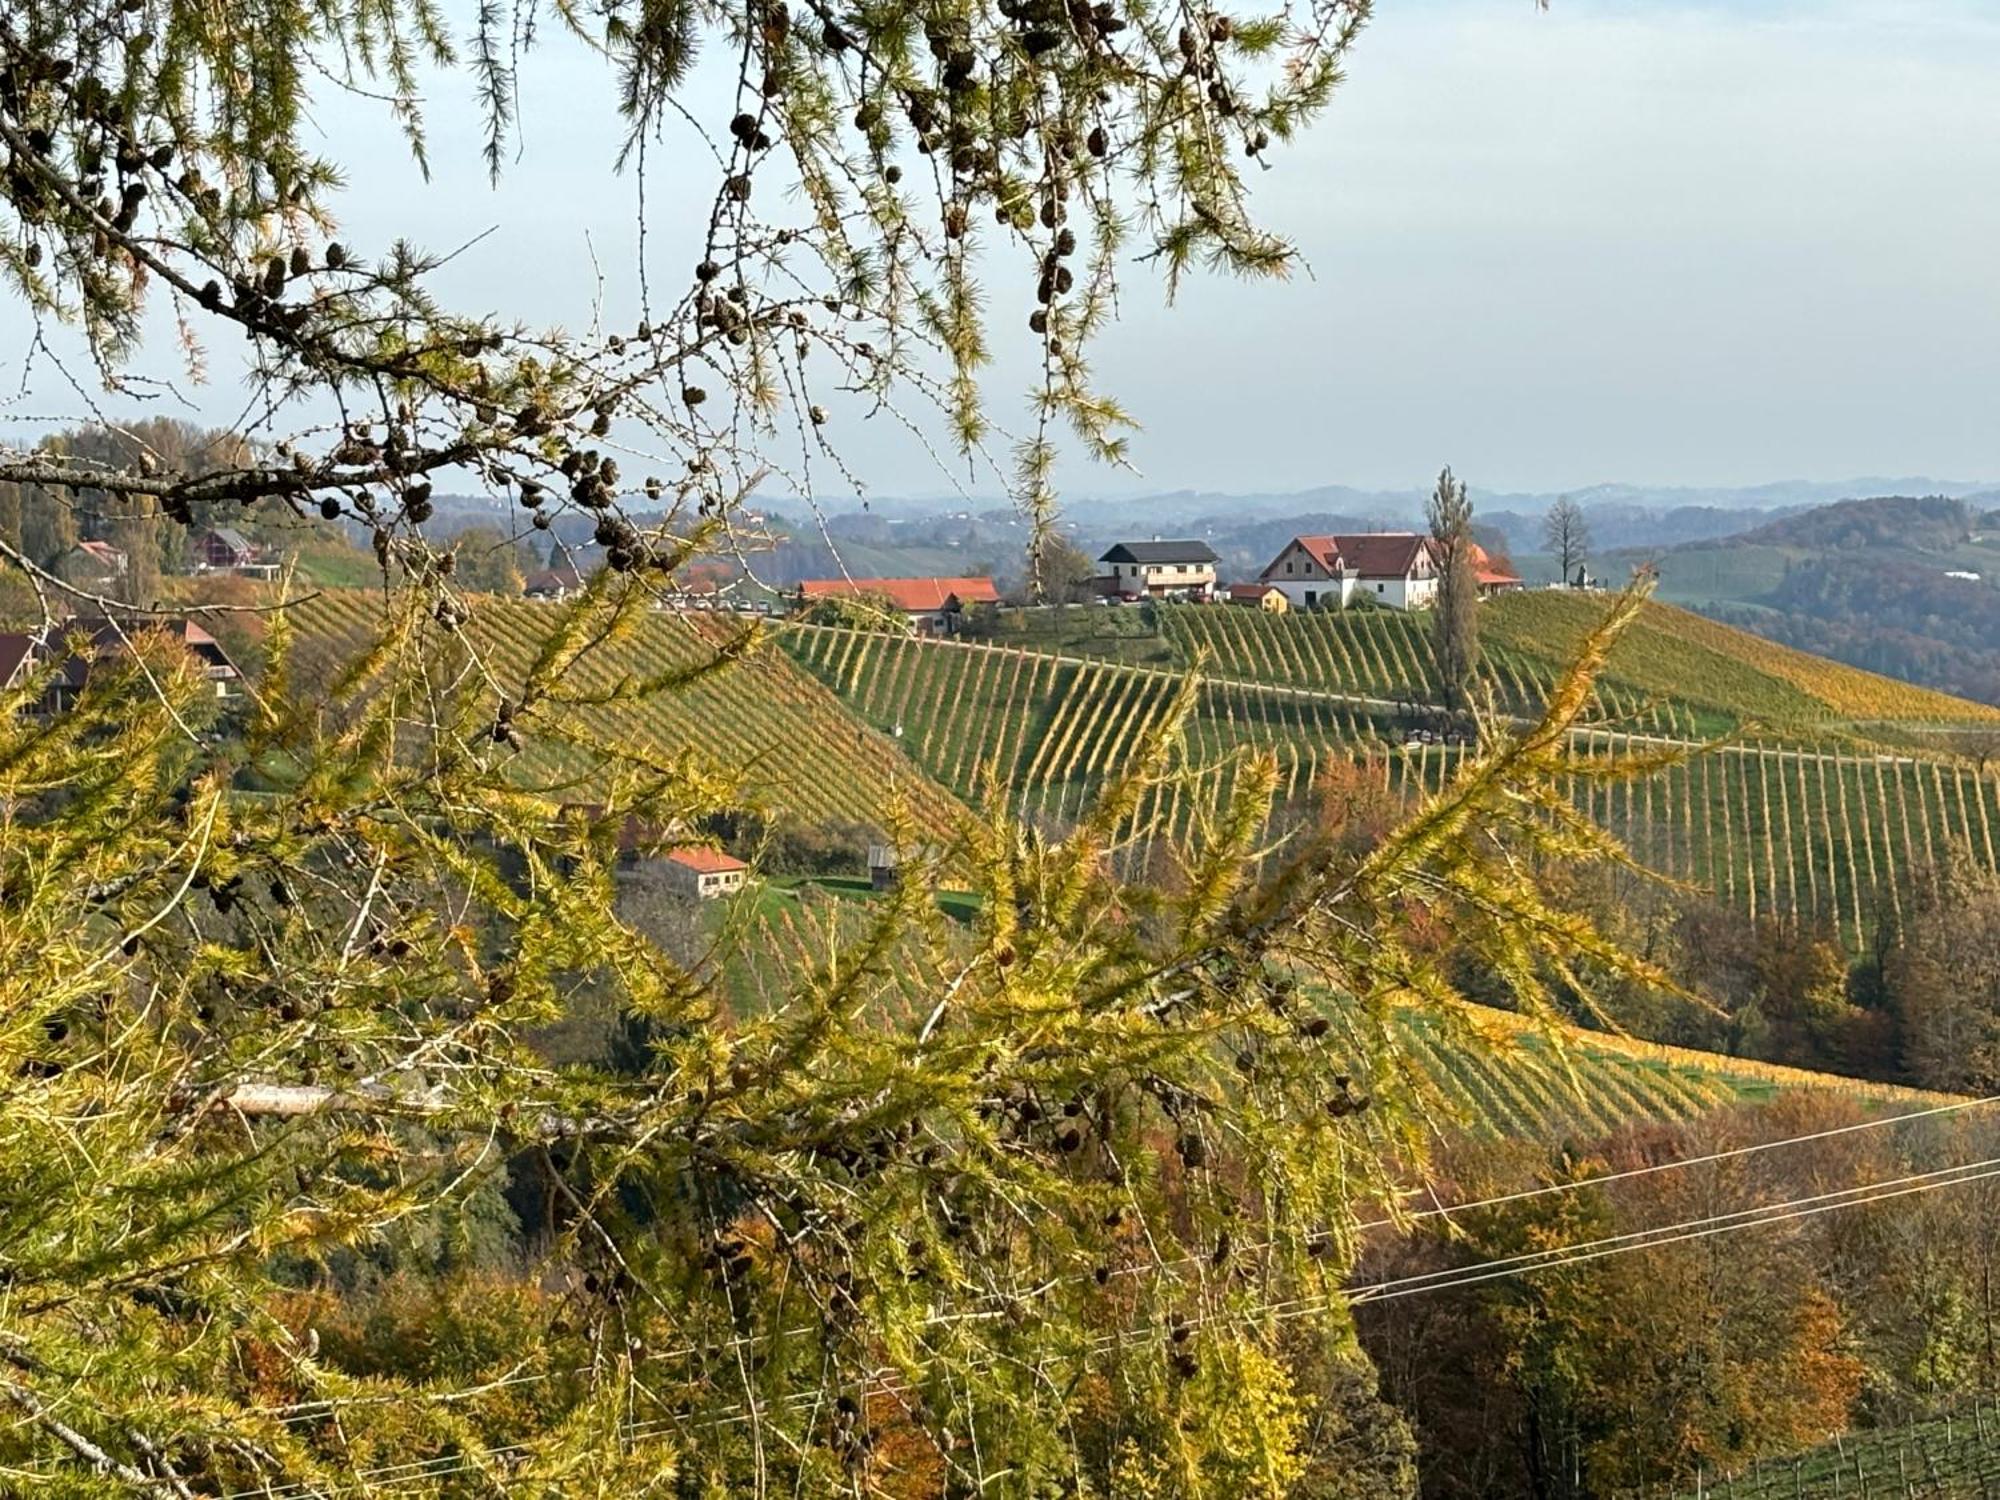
point(1762, 1322)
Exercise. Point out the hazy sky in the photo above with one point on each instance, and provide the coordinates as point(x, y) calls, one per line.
point(1657, 242)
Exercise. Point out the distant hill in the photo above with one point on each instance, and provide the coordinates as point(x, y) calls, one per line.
point(1932, 523)
point(1907, 586)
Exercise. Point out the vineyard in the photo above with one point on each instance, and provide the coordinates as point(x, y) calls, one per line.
point(1713, 677)
point(1514, 1087)
point(1503, 1080)
point(1820, 828)
point(1950, 1457)
point(801, 751)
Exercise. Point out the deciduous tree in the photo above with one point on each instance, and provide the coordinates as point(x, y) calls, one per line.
point(1566, 534)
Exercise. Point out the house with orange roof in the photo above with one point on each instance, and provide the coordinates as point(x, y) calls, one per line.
point(932, 604)
point(703, 873)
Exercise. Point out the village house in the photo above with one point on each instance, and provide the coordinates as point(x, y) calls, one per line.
point(1394, 569)
point(1265, 596)
point(109, 637)
point(933, 605)
point(553, 583)
point(92, 565)
point(703, 873)
point(887, 862)
point(1492, 576)
point(1158, 570)
point(224, 549)
point(20, 654)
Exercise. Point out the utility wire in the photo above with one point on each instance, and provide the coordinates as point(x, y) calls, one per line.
point(424, 1470)
point(313, 1408)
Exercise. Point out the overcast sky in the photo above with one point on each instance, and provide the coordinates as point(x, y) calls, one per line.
point(1658, 242)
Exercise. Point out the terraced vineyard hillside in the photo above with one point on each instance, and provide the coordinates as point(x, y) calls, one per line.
point(1509, 1085)
point(1714, 678)
point(1516, 1088)
point(803, 752)
point(1822, 827)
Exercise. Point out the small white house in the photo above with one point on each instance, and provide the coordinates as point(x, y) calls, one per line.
point(704, 873)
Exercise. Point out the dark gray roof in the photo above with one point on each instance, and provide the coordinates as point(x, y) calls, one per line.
point(231, 538)
point(1161, 552)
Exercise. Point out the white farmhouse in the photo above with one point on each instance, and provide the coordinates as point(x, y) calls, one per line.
point(1396, 569)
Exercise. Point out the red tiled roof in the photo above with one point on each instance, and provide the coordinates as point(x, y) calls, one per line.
point(1489, 573)
point(1372, 554)
point(1250, 590)
point(705, 861)
point(913, 595)
point(102, 551)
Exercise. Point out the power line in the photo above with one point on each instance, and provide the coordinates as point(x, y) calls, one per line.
point(423, 1470)
point(1438, 1280)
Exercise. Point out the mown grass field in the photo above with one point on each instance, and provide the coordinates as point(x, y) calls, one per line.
point(798, 747)
point(1825, 828)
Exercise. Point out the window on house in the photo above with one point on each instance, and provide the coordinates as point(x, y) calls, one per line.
point(1312, 598)
point(1381, 588)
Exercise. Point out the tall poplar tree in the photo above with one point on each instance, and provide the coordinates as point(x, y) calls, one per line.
point(1455, 618)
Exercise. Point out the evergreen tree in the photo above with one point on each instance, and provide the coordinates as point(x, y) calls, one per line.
point(948, 1211)
point(1455, 620)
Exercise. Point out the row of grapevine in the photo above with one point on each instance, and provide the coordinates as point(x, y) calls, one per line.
point(1784, 830)
point(1368, 653)
point(754, 717)
point(1952, 1456)
point(1773, 829)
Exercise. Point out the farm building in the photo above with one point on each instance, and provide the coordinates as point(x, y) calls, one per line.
point(704, 873)
point(92, 564)
point(552, 583)
point(932, 604)
point(224, 549)
point(886, 863)
point(1396, 569)
point(20, 654)
point(1157, 570)
point(108, 637)
point(1492, 574)
point(1265, 596)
